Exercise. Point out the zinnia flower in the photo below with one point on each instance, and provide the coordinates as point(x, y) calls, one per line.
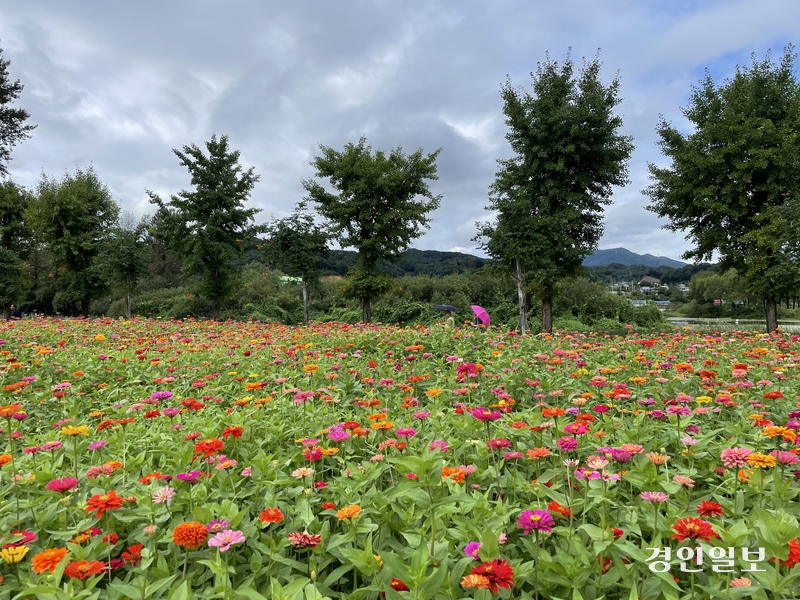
point(498, 572)
point(225, 539)
point(348, 512)
point(271, 515)
point(13, 554)
point(48, 560)
point(304, 539)
point(734, 457)
point(536, 520)
point(84, 568)
point(654, 497)
point(709, 509)
point(163, 494)
point(190, 535)
point(103, 502)
point(217, 525)
point(694, 529)
point(471, 550)
point(478, 582)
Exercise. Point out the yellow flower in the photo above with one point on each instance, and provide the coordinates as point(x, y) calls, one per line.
point(760, 461)
point(13, 554)
point(79, 430)
point(703, 399)
point(100, 337)
point(310, 368)
point(433, 392)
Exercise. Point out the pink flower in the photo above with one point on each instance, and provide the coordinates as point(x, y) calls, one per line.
point(225, 539)
point(62, 485)
point(734, 457)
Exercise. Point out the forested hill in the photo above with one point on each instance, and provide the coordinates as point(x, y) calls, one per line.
point(413, 262)
point(603, 265)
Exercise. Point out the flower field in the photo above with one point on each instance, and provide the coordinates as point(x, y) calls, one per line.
point(198, 459)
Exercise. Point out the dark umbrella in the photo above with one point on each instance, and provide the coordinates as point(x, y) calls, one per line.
point(446, 308)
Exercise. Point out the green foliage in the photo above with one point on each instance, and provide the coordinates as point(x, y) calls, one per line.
point(209, 226)
point(14, 242)
point(72, 217)
point(124, 257)
point(12, 120)
point(550, 195)
point(729, 177)
point(381, 205)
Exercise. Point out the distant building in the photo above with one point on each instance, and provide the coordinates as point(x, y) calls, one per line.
point(650, 281)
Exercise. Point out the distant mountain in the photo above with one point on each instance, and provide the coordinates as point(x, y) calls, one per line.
point(625, 257)
point(413, 262)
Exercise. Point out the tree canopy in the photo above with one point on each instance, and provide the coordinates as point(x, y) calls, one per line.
point(210, 226)
point(15, 242)
point(295, 244)
point(729, 178)
point(13, 128)
point(550, 196)
point(72, 217)
point(382, 203)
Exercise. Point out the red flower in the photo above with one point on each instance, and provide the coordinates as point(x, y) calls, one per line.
point(152, 414)
point(233, 430)
point(103, 502)
point(111, 538)
point(558, 509)
point(694, 529)
point(209, 447)
point(192, 436)
point(709, 509)
point(83, 568)
point(271, 515)
point(794, 554)
point(498, 572)
point(399, 586)
point(133, 555)
point(328, 505)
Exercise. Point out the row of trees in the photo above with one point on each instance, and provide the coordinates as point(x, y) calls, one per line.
point(732, 184)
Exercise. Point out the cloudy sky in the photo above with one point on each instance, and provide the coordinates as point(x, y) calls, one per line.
point(118, 85)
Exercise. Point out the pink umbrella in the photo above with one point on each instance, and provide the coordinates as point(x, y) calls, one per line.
point(481, 314)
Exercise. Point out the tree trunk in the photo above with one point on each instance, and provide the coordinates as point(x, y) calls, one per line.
point(771, 311)
point(547, 309)
point(305, 303)
point(7, 310)
point(521, 293)
point(366, 311)
point(127, 306)
point(215, 311)
point(85, 303)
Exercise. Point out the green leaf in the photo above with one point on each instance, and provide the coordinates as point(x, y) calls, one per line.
point(182, 593)
point(490, 549)
point(127, 590)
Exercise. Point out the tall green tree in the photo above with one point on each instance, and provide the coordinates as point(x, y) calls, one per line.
point(125, 255)
point(382, 203)
point(550, 196)
point(209, 225)
point(15, 243)
point(295, 244)
point(12, 120)
point(730, 176)
point(72, 216)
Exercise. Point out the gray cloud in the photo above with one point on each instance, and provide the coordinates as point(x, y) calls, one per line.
point(119, 86)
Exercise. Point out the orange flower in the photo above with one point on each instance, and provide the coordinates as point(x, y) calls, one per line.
point(383, 425)
point(10, 410)
point(348, 512)
point(271, 515)
point(433, 392)
point(83, 569)
point(48, 560)
point(4, 459)
point(103, 502)
point(190, 535)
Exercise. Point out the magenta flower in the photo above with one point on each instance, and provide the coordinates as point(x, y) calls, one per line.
point(567, 443)
point(536, 520)
point(471, 550)
point(225, 539)
point(98, 444)
point(171, 412)
point(484, 414)
point(406, 432)
point(62, 485)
